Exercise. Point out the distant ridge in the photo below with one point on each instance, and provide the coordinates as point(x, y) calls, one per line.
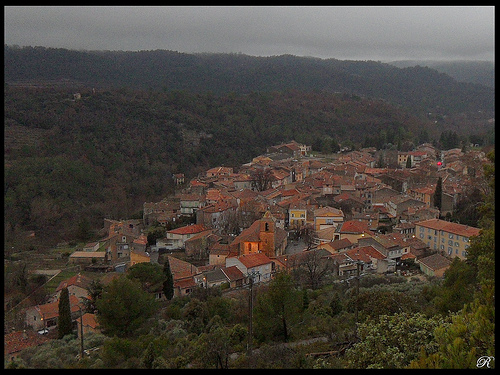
point(418, 88)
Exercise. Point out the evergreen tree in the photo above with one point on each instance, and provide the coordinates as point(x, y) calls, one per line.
point(438, 194)
point(168, 284)
point(64, 324)
point(408, 162)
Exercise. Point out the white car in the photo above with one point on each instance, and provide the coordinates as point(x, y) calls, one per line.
point(43, 331)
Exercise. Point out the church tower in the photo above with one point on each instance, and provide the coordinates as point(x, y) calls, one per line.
point(267, 234)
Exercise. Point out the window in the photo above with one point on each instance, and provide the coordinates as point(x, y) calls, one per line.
point(457, 244)
point(450, 235)
point(421, 229)
point(464, 253)
point(442, 240)
point(456, 251)
point(450, 251)
point(442, 247)
point(429, 237)
point(421, 235)
point(450, 242)
point(465, 239)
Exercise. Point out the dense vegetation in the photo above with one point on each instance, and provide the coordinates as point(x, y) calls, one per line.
point(480, 72)
point(146, 115)
point(70, 163)
point(401, 324)
point(417, 88)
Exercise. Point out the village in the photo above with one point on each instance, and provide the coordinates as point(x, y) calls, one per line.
point(281, 211)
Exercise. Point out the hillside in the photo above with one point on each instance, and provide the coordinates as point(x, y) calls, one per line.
point(478, 72)
point(420, 89)
point(144, 116)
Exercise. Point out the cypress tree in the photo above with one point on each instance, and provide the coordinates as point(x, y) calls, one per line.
point(64, 324)
point(438, 194)
point(408, 162)
point(168, 284)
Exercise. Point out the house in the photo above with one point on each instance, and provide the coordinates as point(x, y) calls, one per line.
point(77, 286)
point(139, 244)
point(256, 265)
point(336, 246)
point(385, 244)
point(218, 253)
point(371, 258)
point(235, 277)
point(92, 246)
point(448, 238)
point(190, 203)
point(326, 217)
point(175, 238)
point(219, 171)
point(90, 325)
point(46, 315)
point(198, 246)
point(184, 286)
point(118, 246)
point(86, 258)
point(183, 274)
point(161, 212)
point(178, 178)
point(213, 278)
point(400, 203)
point(293, 148)
point(352, 230)
point(218, 216)
point(139, 256)
point(15, 342)
point(434, 265)
point(262, 236)
point(297, 215)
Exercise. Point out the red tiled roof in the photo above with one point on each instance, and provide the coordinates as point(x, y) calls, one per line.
point(17, 341)
point(446, 226)
point(188, 229)
point(233, 273)
point(185, 283)
point(78, 280)
point(254, 260)
point(353, 226)
point(181, 269)
point(51, 310)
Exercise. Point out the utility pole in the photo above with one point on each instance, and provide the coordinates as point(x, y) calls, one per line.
point(250, 307)
point(81, 332)
point(357, 299)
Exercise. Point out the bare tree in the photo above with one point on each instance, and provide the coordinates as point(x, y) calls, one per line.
point(261, 179)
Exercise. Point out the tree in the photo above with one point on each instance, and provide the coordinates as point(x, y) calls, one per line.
point(168, 283)
point(124, 307)
point(64, 323)
point(95, 292)
point(408, 162)
point(276, 309)
point(438, 194)
point(261, 179)
point(150, 275)
point(393, 341)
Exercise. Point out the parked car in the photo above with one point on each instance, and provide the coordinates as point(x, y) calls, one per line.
point(43, 331)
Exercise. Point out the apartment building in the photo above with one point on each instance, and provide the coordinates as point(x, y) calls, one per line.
point(449, 238)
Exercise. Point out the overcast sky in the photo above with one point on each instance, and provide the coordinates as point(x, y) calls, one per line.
point(381, 33)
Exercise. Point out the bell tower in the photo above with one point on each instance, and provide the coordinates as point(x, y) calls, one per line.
point(266, 235)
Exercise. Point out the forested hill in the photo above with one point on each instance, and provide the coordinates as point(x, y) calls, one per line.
point(419, 88)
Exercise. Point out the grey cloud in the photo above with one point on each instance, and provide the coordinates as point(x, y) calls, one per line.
point(338, 32)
